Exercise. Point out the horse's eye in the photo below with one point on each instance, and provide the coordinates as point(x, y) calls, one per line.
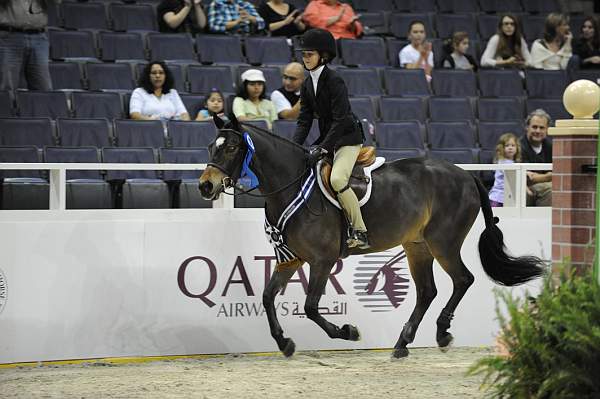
point(230, 148)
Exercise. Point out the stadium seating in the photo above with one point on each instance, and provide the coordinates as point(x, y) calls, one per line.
point(191, 134)
point(42, 104)
point(500, 83)
point(204, 78)
point(66, 75)
point(132, 133)
point(403, 109)
point(490, 132)
point(445, 135)
point(458, 6)
point(84, 132)
point(6, 106)
point(268, 50)
point(366, 52)
point(78, 15)
point(454, 82)
point(457, 155)
point(22, 189)
point(91, 104)
point(501, 6)
point(500, 109)
point(121, 46)
point(363, 108)
point(393, 154)
point(184, 184)
point(405, 82)
point(406, 134)
point(450, 109)
point(360, 82)
point(72, 44)
point(219, 49)
point(129, 17)
point(26, 132)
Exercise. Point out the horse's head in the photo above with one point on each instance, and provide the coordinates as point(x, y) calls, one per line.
point(226, 155)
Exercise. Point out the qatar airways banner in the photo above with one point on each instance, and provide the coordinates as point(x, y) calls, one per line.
point(167, 284)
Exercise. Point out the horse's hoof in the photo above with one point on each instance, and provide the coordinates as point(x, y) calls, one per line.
point(350, 333)
point(445, 343)
point(400, 353)
point(289, 347)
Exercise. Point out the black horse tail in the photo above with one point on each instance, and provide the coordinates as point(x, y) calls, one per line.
point(497, 264)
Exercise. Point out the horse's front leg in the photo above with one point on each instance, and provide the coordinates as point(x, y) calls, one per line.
point(278, 280)
point(319, 273)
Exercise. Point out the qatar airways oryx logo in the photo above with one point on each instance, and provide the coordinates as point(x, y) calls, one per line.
point(3, 291)
point(381, 281)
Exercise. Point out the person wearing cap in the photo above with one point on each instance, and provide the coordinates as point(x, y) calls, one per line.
point(251, 103)
point(287, 97)
point(324, 96)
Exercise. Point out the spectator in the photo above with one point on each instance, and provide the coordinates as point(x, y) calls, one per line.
point(418, 54)
point(587, 47)
point(156, 98)
point(213, 105)
point(24, 44)
point(334, 16)
point(536, 148)
point(508, 150)
point(554, 50)
point(287, 98)
point(174, 16)
point(234, 16)
point(281, 18)
point(458, 57)
point(251, 103)
point(507, 48)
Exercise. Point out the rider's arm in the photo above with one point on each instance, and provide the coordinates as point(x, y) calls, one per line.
point(305, 118)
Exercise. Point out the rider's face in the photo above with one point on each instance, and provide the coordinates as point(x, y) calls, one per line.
point(310, 59)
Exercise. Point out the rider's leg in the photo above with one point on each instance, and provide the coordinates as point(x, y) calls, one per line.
point(343, 163)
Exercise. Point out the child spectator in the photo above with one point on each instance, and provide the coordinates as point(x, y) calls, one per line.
point(553, 51)
point(587, 47)
point(213, 105)
point(508, 150)
point(457, 57)
point(507, 48)
point(418, 54)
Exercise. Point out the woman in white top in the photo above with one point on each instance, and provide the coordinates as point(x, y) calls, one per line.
point(554, 50)
point(507, 48)
point(156, 98)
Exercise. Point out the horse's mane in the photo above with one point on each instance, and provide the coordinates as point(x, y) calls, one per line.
point(271, 135)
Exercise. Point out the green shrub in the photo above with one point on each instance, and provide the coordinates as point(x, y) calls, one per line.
point(553, 343)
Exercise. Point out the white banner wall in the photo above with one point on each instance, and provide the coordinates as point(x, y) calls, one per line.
point(93, 284)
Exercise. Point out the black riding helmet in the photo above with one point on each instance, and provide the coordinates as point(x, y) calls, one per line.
point(319, 40)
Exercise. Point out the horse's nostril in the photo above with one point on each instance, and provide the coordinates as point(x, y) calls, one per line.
point(205, 188)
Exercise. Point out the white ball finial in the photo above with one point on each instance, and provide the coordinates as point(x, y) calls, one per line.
point(582, 99)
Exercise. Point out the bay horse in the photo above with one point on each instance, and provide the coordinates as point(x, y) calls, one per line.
point(426, 205)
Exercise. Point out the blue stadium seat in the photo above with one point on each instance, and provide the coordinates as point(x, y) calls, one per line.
point(500, 109)
point(402, 109)
point(65, 75)
point(455, 155)
point(454, 82)
point(184, 184)
point(84, 132)
point(588, 74)
point(203, 78)
point(487, 176)
point(127, 17)
point(85, 189)
point(450, 109)
point(399, 23)
point(284, 128)
point(7, 108)
point(171, 47)
point(405, 82)
point(457, 6)
point(133, 133)
point(260, 124)
point(407, 134)
point(364, 81)
point(22, 189)
point(71, 44)
point(272, 75)
point(490, 132)
point(178, 75)
point(186, 134)
point(447, 24)
point(546, 84)
point(373, 5)
point(268, 50)
point(451, 135)
point(374, 23)
point(363, 108)
point(533, 26)
point(393, 50)
point(78, 15)
point(554, 107)
point(42, 104)
point(54, 19)
point(136, 188)
point(501, 6)
point(109, 76)
point(219, 49)
point(89, 104)
point(500, 83)
point(393, 154)
point(365, 52)
point(121, 46)
point(193, 103)
point(416, 5)
point(488, 25)
point(541, 6)
point(26, 132)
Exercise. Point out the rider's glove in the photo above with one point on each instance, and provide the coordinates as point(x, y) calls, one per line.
point(315, 154)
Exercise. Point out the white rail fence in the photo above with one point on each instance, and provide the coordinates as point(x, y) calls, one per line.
point(515, 177)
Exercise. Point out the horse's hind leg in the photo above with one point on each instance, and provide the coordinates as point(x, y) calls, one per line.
point(319, 273)
point(278, 280)
point(420, 262)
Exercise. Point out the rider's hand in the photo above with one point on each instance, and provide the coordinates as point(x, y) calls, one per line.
point(315, 154)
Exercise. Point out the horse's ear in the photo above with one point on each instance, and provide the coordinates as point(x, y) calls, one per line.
point(235, 124)
point(218, 122)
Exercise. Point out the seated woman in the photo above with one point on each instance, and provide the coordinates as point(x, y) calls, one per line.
point(553, 51)
point(587, 47)
point(336, 17)
point(457, 58)
point(156, 98)
point(251, 103)
point(281, 18)
point(507, 48)
point(175, 16)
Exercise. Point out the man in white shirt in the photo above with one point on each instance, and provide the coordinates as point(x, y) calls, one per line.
point(418, 54)
point(287, 97)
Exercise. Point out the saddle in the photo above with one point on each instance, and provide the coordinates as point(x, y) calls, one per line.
point(358, 180)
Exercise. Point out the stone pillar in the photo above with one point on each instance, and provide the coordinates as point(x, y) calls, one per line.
point(573, 190)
